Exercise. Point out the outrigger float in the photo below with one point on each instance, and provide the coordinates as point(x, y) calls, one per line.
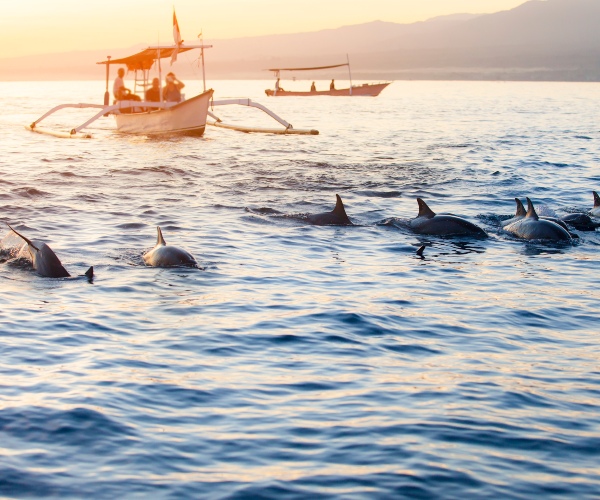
point(188, 117)
point(366, 89)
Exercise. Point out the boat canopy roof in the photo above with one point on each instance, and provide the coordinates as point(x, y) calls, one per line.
point(308, 69)
point(145, 59)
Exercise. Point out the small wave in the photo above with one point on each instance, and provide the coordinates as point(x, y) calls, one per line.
point(132, 225)
point(163, 170)
point(381, 194)
point(29, 192)
point(263, 211)
point(80, 427)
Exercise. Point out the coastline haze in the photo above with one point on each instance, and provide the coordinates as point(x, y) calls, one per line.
point(537, 40)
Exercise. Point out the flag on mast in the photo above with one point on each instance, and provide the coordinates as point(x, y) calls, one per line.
point(176, 38)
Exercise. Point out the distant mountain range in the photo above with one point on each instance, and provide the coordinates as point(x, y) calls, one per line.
point(539, 40)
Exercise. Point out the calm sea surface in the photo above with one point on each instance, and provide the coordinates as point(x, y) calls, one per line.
point(303, 361)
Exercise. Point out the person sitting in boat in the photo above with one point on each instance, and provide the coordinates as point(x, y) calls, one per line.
point(277, 86)
point(313, 87)
point(119, 91)
point(153, 93)
point(332, 85)
point(172, 90)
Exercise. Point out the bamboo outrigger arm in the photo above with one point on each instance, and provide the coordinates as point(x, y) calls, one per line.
point(105, 110)
point(289, 129)
point(116, 109)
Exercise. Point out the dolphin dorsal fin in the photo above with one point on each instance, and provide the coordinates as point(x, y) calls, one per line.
point(27, 240)
point(89, 274)
point(424, 210)
point(531, 213)
point(596, 199)
point(159, 237)
point(521, 212)
point(339, 209)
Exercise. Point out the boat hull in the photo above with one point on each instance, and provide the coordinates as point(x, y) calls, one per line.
point(187, 117)
point(367, 90)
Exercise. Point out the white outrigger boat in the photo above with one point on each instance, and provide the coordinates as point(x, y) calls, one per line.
point(137, 116)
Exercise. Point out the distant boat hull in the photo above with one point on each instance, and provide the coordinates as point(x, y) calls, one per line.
point(367, 89)
point(187, 117)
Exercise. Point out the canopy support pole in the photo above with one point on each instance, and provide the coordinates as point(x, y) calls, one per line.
point(107, 94)
point(349, 73)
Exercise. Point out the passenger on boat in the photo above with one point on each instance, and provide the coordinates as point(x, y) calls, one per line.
point(153, 93)
point(332, 85)
point(277, 86)
point(313, 88)
point(172, 90)
point(119, 91)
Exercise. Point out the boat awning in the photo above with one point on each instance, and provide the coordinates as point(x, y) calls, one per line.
point(145, 59)
point(308, 69)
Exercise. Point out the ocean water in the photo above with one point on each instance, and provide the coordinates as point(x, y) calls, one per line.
point(303, 361)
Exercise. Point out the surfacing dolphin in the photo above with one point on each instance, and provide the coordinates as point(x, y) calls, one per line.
point(163, 255)
point(580, 221)
point(337, 217)
point(595, 212)
point(44, 260)
point(532, 227)
point(521, 213)
point(427, 222)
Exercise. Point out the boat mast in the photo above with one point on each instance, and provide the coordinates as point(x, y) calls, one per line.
point(349, 73)
point(160, 92)
point(159, 74)
point(107, 94)
point(202, 58)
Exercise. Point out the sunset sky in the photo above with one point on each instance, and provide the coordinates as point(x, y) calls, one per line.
point(30, 27)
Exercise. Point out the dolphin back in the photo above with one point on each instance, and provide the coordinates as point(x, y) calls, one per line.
point(446, 225)
point(427, 222)
point(169, 256)
point(337, 217)
point(44, 260)
point(47, 264)
point(538, 229)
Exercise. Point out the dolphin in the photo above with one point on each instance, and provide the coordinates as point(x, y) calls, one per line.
point(595, 212)
point(163, 255)
point(44, 260)
point(521, 213)
point(580, 221)
point(337, 217)
point(532, 227)
point(427, 222)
